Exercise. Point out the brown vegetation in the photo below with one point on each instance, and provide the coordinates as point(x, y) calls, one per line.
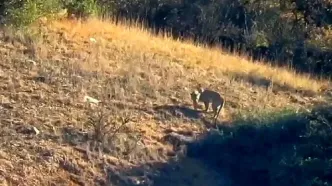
point(143, 82)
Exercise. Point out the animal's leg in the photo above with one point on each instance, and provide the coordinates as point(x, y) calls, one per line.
point(206, 104)
point(214, 122)
point(195, 105)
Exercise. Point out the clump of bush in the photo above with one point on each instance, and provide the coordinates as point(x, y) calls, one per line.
point(21, 13)
point(84, 8)
point(292, 149)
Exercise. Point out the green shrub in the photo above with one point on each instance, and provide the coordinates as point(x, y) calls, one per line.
point(84, 8)
point(20, 13)
point(23, 13)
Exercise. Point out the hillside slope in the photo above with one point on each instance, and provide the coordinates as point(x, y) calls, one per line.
point(47, 129)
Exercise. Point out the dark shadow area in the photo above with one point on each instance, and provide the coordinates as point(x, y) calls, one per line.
point(170, 111)
point(187, 172)
point(280, 149)
point(292, 150)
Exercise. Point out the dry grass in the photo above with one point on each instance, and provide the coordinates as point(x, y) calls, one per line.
point(135, 40)
point(44, 77)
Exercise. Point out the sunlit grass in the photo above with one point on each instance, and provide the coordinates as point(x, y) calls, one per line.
point(133, 39)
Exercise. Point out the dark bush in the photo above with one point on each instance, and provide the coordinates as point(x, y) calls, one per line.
point(241, 25)
point(278, 31)
point(291, 150)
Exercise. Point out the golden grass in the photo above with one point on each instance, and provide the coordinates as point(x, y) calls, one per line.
point(142, 72)
point(134, 39)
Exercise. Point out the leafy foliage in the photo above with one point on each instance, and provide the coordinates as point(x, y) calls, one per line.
point(22, 13)
point(273, 30)
point(83, 8)
point(287, 32)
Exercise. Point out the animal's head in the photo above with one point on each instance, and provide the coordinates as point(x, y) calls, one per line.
point(195, 97)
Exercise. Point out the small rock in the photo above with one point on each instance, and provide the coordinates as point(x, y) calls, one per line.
point(36, 130)
point(34, 63)
point(90, 100)
point(93, 40)
point(27, 129)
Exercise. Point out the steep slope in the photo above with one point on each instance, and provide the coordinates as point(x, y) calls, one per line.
point(47, 129)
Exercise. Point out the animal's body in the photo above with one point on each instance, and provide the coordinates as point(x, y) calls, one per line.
point(208, 96)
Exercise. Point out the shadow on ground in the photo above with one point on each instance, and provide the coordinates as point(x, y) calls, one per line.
point(285, 148)
point(177, 111)
point(183, 112)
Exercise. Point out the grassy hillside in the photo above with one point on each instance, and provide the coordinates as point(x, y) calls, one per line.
point(48, 133)
point(138, 41)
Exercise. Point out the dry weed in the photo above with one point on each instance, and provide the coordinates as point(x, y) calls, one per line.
point(133, 40)
point(132, 73)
